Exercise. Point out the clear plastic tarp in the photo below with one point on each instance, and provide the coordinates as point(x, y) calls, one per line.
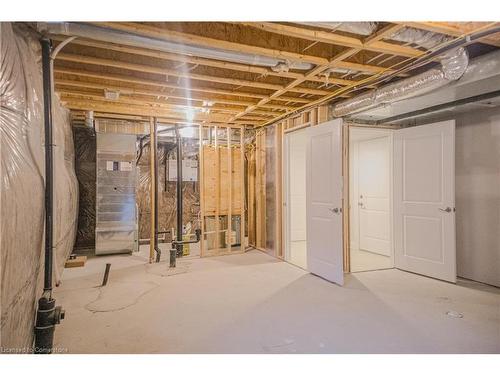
point(22, 184)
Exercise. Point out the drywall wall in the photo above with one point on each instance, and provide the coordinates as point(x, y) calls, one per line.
point(22, 185)
point(477, 167)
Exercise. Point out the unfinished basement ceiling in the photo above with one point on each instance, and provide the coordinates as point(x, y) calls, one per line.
point(236, 73)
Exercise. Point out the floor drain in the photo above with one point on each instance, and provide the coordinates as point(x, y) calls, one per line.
point(454, 314)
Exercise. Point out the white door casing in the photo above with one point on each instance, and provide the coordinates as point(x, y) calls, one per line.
point(424, 200)
point(324, 201)
point(294, 192)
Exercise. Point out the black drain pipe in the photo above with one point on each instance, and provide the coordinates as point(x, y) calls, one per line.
point(154, 149)
point(180, 206)
point(48, 315)
point(178, 243)
point(177, 247)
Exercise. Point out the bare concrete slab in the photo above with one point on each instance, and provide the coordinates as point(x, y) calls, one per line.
point(253, 303)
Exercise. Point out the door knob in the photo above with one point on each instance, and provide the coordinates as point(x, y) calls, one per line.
point(336, 210)
point(447, 209)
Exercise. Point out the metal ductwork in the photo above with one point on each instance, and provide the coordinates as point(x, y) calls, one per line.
point(453, 66)
point(478, 84)
point(407, 35)
point(136, 40)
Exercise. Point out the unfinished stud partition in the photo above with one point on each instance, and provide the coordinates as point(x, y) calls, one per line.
point(257, 191)
point(260, 214)
point(222, 193)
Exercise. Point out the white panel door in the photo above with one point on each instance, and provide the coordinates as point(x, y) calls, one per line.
point(424, 200)
point(324, 201)
point(374, 194)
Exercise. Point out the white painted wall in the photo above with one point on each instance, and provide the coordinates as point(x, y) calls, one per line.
point(478, 195)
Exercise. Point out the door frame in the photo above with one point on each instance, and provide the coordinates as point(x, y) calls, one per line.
point(285, 193)
point(385, 131)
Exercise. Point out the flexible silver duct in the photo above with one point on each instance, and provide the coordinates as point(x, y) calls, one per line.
point(409, 35)
point(135, 40)
point(453, 66)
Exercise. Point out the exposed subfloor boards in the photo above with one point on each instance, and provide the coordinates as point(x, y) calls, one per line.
point(254, 303)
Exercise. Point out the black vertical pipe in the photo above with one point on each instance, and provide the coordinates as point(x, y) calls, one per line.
point(48, 314)
point(154, 149)
point(47, 109)
point(179, 189)
point(165, 166)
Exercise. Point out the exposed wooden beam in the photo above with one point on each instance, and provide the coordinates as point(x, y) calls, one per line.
point(72, 95)
point(436, 27)
point(180, 73)
point(141, 81)
point(129, 109)
point(179, 37)
point(202, 61)
point(80, 115)
point(157, 93)
point(336, 39)
point(315, 71)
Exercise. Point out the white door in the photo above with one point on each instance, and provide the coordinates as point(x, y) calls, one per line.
point(374, 195)
point(424, 200)
point(324, 201)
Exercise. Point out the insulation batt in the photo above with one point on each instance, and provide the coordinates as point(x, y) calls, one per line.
point(22, 185)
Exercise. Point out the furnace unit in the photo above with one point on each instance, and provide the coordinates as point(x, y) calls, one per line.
point(116, 218)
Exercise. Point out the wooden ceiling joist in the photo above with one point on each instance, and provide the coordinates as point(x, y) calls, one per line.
point(173, 84)
point(314, 71)
point(62, 85)
point(180, 73)
point(194, 60)
point(71, 95)
point(141, 81)
point(336, 39)
point(185, 38)
point(147, 111)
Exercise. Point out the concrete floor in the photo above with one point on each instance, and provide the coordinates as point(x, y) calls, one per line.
point(362, 260)
point(253, 303)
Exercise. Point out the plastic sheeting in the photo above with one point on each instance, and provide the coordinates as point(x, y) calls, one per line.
point(22, 184)
point(85, 166)
point(271, 208)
